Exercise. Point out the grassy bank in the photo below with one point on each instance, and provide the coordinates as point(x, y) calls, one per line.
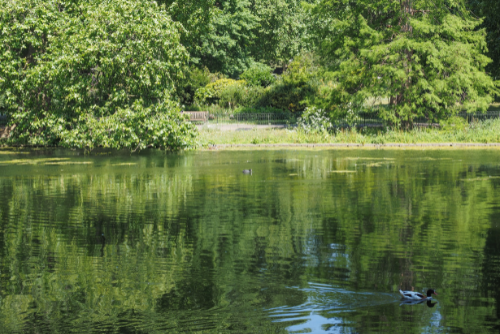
point(478, 132)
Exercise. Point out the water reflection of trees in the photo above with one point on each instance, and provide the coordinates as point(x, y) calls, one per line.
point(491, 272)
point(184, 237)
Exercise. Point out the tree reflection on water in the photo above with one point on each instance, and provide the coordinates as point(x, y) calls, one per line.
point(186, 242)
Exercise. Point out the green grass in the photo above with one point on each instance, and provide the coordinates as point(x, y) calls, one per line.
point(479, 132)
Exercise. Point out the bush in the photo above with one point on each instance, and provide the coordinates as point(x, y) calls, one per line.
point(212, 92)
point(288, 96)
point(454, 123)
point(301, 85)
point(297, 86)
point(236, 95)
point(135, 128)
point(314, 120)
point(258, 75)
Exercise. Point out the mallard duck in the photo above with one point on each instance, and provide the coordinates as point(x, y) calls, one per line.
point(417, 295)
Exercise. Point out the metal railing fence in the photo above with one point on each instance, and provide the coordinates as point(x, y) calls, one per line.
point(480, 117)
point(362, 119)
point(372, 119)
point(253, 118)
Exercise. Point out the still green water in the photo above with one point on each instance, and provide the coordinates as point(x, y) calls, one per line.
point(312, 241)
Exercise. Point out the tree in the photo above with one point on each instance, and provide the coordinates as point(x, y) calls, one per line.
point(280, 31)
point(229, 35)
point(425, 57)
point(218, 35)
point(87, 74)
point(490, 11)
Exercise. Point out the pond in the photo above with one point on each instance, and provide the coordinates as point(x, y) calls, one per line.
point(311, 241)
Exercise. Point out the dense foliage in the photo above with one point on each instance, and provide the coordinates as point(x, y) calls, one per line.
point(298, 87)
point(426, 57)
point(67, 69)
point(228, 36)
point(71, 70)
point(282, 30)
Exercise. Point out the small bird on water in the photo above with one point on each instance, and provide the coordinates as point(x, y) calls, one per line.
point(417, 295)
point(247, 171)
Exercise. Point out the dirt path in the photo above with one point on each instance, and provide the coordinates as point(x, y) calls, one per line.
point(239, 127)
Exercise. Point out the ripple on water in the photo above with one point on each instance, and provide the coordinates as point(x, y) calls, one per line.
point(324, 306)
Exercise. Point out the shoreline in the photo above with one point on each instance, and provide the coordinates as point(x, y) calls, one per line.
point(222, 147)
point(354, 146)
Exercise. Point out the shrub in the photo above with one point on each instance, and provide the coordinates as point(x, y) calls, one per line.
point(258, 75)
point(454, 123)
point(301, 70)
point(236, 95)
point(297, 86)
point(288, 96)
point(136, 128)
point(314, 120)
point(212, 92)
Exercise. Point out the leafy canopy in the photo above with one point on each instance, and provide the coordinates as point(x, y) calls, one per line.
point(217, 34)
point(228, 36)
point(281, 31)
point(68, 69)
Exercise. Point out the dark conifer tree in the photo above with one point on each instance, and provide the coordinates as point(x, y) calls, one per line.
point(426, 58)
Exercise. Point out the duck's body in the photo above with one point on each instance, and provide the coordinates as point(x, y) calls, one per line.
point(417, 295)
